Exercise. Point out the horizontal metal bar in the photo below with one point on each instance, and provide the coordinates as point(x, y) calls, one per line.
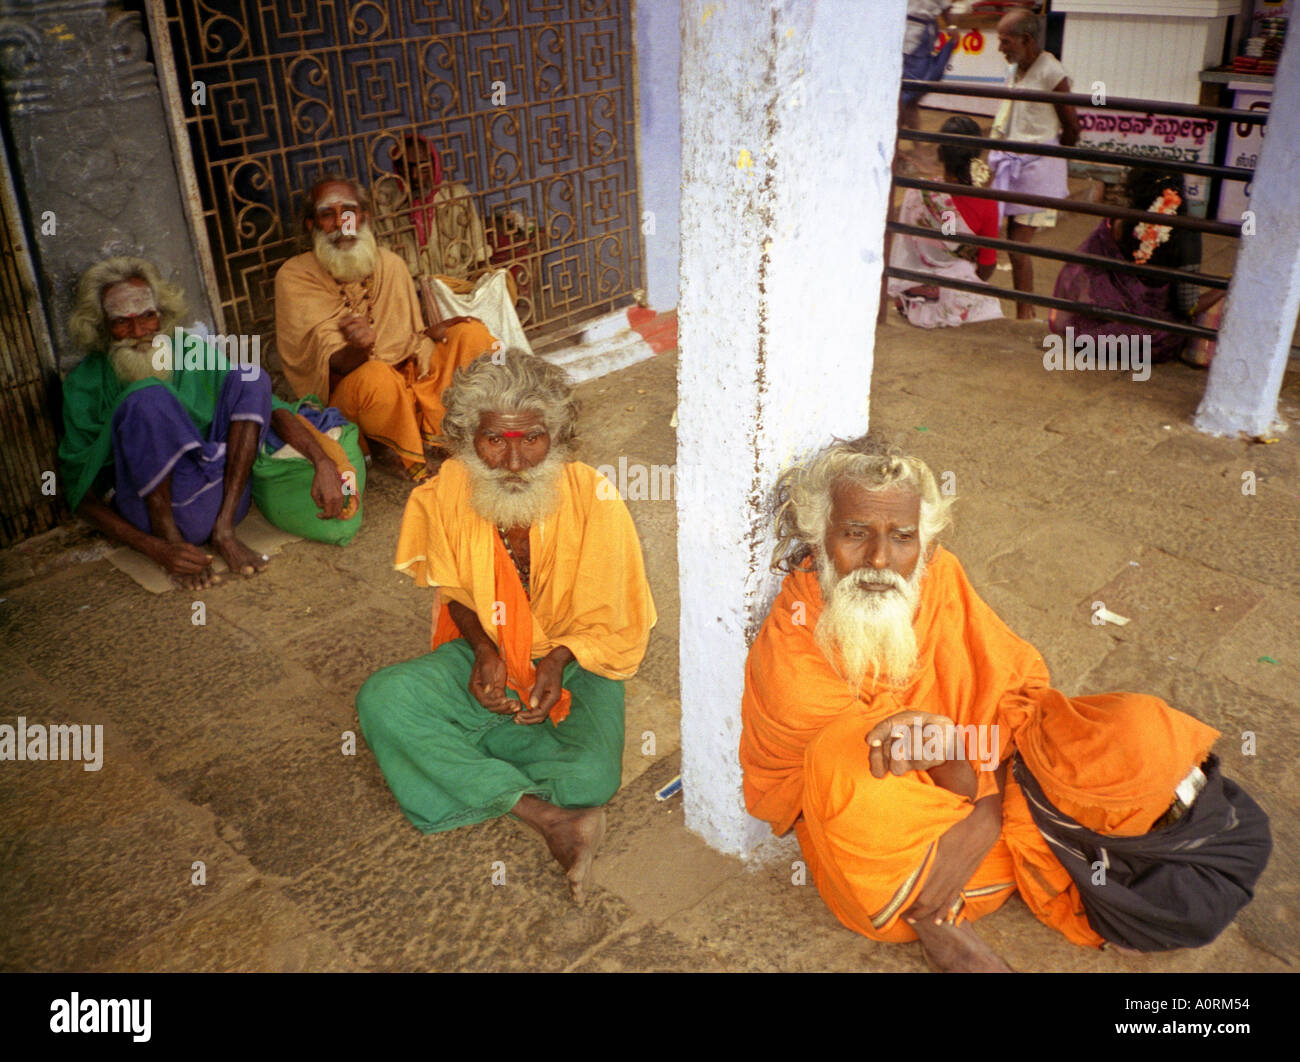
point(1082, 99)
point(1047, 202)
point(1114, 158)
point(1055, 303)
point(1175, 276)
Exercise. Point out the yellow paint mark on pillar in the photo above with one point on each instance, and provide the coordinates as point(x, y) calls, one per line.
point(745, 161)
point(709, 12)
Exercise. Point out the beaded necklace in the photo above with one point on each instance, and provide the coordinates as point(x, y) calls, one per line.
point(521, 569)
point(363, 306)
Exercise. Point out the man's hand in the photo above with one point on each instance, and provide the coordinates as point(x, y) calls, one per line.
point(897, 745)
point(487, 682)
point(180, 558)
point(189, 565)
point(358, 334)
point(438, 332)
point(961, 850)
point(327, 490)
point(548, 687)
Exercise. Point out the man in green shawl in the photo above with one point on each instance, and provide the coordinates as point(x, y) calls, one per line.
point(161, 422)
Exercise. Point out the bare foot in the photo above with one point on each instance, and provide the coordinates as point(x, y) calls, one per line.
point(198, 581)
point(572, 835)
point(239, 557)
point(952, 948)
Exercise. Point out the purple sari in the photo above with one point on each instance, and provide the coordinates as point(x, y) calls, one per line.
point(1112, 290)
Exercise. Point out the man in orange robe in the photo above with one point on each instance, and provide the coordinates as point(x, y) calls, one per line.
point(545, 610)
point(884, 702)
point(348, 325)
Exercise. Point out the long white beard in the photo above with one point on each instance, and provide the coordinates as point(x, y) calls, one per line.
point(870, 630)
point(132, 359)
point(514, 499)
point(356, 263)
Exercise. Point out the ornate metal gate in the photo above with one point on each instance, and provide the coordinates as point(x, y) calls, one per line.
point(490, 133)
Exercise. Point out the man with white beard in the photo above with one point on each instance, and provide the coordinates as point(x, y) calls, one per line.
point(349, 326)
point(545, 610)
point(883, 704)
point(173, 446)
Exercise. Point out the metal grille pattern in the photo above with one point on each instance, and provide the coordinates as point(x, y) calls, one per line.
point(528, 104)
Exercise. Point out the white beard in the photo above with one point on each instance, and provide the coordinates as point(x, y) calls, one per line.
point(514, 499)
point(356, 263)
point(132, 359)
point(870, 630)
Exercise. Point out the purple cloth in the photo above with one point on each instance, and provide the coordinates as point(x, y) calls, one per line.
point(1030, 174)
point(154, 437)
point(1111, 290)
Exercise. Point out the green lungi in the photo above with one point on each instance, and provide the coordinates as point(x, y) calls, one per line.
point(450, 762)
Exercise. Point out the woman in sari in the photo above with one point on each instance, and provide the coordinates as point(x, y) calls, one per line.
point(931, 305)
point(1157, 245)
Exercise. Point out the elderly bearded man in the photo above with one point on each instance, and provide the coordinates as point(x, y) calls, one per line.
point(348, 324)
point(884, 703)
point(545, 611)
point(174, 444)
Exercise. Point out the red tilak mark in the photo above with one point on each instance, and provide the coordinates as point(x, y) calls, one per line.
point(512, 435)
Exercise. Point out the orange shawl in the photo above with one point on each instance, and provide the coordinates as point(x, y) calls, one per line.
point(309, 306)
point(589, 588)
point(970, 668)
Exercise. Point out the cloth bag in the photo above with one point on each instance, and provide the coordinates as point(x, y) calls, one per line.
point(282, 486)
point(489, 301)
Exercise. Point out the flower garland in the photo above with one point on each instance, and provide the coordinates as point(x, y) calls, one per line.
point(980, 174)
point(1150, 237)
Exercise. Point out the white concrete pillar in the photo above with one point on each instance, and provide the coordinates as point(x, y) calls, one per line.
point(788, 120)
point(1264, 298)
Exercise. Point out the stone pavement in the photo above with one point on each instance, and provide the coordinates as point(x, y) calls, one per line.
point(224, 741)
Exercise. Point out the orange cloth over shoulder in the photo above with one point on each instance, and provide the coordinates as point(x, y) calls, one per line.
point(1109, 761)
point(589, 590)
point(970, 665)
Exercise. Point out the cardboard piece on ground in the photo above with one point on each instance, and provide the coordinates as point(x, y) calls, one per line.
point(255, 531)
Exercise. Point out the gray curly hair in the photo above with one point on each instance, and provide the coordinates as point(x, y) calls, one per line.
point(87, 325)
point(803, 495)
point(509, 381)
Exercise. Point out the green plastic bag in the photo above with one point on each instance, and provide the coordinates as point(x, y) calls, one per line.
point(282, 491)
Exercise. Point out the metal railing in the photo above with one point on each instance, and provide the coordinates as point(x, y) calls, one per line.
point(1215, 115)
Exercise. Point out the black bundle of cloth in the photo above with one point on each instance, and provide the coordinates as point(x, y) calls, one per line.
point(1175, 887)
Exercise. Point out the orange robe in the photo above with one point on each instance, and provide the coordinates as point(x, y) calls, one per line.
point(589, 589)
point(870, 843)
point(395, 397)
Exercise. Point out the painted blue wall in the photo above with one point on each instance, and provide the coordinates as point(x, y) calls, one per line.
point(658, 54)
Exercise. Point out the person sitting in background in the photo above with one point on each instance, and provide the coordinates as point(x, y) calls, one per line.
point(1157, 245)
point(931, 305)
point(349, 326)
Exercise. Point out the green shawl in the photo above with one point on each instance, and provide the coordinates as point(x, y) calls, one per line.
point(91, 394)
